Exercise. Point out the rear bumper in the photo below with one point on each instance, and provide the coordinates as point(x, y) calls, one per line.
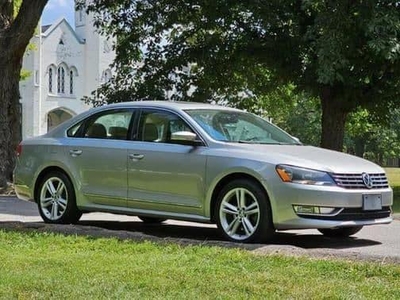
point(23, 192)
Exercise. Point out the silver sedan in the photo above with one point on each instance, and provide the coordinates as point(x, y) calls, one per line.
point(198, 162)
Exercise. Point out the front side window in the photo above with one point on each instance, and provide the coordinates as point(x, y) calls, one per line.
point(240, 127)
point(158, 126)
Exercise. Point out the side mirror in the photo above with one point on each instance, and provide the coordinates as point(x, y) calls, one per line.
point(297, 140)
point(185, 137)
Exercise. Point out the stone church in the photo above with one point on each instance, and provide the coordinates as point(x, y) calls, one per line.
point(65, 63)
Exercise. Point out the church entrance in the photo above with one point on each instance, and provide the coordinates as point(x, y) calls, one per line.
point(56, 117)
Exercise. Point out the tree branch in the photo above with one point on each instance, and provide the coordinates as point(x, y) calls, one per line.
point(24, 25)
point(6, 13)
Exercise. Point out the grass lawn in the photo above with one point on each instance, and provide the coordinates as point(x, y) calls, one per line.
point(394, 176)
point(49, 266)
point(394, 180)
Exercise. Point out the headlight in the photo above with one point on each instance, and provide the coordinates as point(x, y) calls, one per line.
point(303, 176)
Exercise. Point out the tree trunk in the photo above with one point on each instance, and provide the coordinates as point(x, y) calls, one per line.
point(333, 121)
point(359, 146)
point(15, 34)
point(10, 130)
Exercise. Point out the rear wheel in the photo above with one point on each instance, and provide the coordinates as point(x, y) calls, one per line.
point(56, 199)
point(243, 212)
point(340, 232)
point(152, 220)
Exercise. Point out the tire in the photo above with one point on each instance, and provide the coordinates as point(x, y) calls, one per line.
point(56, 199)
point(340, 232)
point(152, 220)
point(243, 212)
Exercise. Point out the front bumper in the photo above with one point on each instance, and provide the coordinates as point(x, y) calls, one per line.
point(348, 203)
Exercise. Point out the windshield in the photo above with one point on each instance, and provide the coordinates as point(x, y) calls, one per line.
point(240, 127)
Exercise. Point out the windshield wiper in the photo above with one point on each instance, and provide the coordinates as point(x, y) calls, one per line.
point(247, 142)
point(264, 143)
point(257, 142)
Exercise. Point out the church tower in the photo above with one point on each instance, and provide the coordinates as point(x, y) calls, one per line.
point(98, 51)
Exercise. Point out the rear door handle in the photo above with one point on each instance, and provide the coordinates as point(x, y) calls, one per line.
point(136, 157)
point(75, 153)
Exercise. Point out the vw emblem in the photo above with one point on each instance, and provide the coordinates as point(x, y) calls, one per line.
point(367, 180)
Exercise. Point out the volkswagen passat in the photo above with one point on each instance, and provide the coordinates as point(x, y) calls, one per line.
point(202, 163)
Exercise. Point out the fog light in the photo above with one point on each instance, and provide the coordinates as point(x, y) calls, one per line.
point(301, 209)
point(313, 210)
point(326, 210)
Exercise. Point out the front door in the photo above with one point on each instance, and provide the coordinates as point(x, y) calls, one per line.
point(163, 175)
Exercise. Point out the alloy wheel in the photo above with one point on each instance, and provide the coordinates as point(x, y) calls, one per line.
point(53, 198)
point(239, 213)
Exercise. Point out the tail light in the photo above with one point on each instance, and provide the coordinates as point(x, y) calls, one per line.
point(19, 150)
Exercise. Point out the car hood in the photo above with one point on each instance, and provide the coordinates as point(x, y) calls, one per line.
point(309, 157)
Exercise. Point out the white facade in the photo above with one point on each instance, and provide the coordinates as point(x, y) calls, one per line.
point(65, 65)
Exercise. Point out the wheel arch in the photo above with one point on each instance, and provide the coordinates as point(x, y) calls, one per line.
point(43, 173)
point(225, 180)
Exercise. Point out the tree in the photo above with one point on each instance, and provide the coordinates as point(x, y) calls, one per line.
point(297, 113)
point(345, 53)
point(374, 140)
point(16, 29)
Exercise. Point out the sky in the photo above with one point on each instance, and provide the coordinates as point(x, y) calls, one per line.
point(56, 9)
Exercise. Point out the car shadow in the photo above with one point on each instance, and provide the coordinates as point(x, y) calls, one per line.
point(316, 241)
point(192, 232)
point(188, 234)
point(210, 235)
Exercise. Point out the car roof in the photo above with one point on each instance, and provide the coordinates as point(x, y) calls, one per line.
point(180, 105)
point(171, 105)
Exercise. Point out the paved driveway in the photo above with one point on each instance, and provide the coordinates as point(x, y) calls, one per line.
point(379, 243)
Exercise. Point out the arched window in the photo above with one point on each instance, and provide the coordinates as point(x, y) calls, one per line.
point(58, 116)
point(60, 80)
point(50, 80)
point(107, 76)
point(71, 82)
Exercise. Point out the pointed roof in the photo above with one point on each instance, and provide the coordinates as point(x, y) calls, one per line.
point(48, 29)
point(45, 27)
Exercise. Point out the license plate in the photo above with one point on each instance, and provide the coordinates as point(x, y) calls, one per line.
point(372, 202)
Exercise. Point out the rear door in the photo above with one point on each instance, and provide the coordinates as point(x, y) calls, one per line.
point(97, 152)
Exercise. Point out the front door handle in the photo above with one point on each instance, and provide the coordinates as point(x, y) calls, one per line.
point(75, 153)
point(136, 157)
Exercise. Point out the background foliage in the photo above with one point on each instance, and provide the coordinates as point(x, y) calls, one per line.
point(344, 54)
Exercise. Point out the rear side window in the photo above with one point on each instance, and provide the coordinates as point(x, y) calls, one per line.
point(109, 125)
point(74, 130)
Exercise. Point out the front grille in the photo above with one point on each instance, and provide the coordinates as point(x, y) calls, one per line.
point(354, 214)
point(355, 181)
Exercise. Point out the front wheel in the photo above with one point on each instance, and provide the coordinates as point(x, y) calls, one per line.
point(56, 199)
point(243, 212)
point(340, 232)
